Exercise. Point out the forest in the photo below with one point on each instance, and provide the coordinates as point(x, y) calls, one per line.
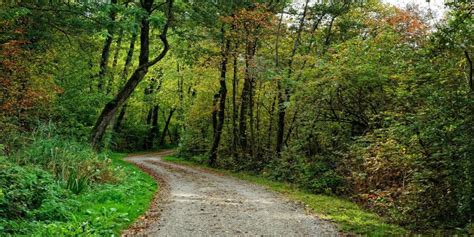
point(361, 101)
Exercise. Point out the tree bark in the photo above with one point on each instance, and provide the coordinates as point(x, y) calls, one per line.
point(251, 117)
point(111, 108)
point(115, 61)
point(104, 59)
point(165, 129)
point(270, 123)
point(118, 122)
point(214, 112)
point(246, 91)
point(222, 98)
point(471, 69)
point(154, 127)
point(234, 105)
point(128, 59)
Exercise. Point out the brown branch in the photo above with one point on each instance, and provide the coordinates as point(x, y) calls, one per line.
point(470, 79)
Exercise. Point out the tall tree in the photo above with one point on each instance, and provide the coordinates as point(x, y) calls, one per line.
point(225, 48)
point(128, 61)
point(283, 88)
point(111, 108)
point(104, 59)
point(166, 128)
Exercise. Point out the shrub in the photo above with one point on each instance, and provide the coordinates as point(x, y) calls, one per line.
point(315, 174)
point(30, 194)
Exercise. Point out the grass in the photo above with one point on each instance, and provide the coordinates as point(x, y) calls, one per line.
point(348, 216)
point(114, 207)
point(101, 210)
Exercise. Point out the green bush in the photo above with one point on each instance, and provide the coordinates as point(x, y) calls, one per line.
point(29, 194)
point(33, 202)
point(314, 174)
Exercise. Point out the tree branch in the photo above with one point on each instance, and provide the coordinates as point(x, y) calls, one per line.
point(166, 46)
point(470, 79)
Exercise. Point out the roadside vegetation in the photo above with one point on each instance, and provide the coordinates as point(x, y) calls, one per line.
point(55, 187)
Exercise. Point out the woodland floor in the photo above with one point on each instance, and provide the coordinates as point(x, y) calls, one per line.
point(197, 202)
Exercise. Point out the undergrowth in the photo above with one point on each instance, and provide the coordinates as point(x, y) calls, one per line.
point(62, 188)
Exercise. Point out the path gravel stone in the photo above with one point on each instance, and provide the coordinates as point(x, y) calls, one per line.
point(196, 202)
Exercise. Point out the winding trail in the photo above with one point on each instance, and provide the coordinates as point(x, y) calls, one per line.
point(196, 202)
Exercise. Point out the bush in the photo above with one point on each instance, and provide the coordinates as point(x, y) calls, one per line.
point(30, 194)
point(315, 174)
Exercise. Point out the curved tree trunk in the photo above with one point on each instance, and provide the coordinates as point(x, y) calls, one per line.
point(128, 60)
point(111, 108)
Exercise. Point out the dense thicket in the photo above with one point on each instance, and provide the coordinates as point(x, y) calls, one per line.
point(358, 99)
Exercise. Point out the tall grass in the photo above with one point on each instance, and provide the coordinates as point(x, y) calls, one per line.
point(73, 162)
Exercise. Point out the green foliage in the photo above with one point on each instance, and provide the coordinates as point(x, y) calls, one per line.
point(35, 204)
point(29, 194)
point(312, 174)
point(107, 208)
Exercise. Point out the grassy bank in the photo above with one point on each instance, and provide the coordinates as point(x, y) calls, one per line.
point(349, 217)
point(103, 209)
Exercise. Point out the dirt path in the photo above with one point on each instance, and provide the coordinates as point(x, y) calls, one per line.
point(194, 202)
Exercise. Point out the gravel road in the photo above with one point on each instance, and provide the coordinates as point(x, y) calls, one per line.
point(196, 202)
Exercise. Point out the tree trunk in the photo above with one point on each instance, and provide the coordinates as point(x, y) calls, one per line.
point(104, 59)
point(281, 119)
point(222, 98)
point(234, 105)
point(284, 97)
point(119, 120)
point(214, 112)
point(471, 69)
point(154, 127)
point(270, 123)
point(251, 117)
point(246, 91)
point(115, 61)
point(111, 108)
point(128, 59)
point(165, 129)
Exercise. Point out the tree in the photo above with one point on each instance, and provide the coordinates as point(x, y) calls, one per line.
point(104, 59)
point(111, 107)
point(225, 48)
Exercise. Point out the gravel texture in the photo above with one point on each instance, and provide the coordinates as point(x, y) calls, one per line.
point(196, 202)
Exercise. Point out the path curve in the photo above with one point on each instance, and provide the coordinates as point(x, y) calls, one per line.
point(195, 202)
